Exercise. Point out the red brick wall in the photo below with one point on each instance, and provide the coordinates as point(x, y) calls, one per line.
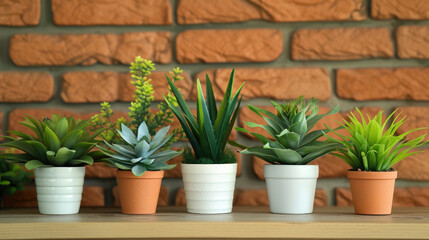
point(67, 56)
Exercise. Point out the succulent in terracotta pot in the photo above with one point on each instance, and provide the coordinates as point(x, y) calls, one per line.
point(141, 161)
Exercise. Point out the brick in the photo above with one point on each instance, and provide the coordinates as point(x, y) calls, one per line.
point(81, 87)
point(160, 86)
point(341, 44)
point(219, 11)
point(99, 170)
point(17, 116)
point(20, 12)
point(88, 49)
point(247, 197)
point(413, 41)
point(402, 197)
point(39, 86)
point(216, 46)
point(105, 12)
point(24, 198)
point(399, 9)
point(162, 201)
point(383, 83)
point(417, 117)
point(259, 82)
point(92, 196)
point(414, 167)
point(177, 171)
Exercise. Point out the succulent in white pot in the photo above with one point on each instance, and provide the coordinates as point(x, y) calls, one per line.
point(58, 153)
point(291, 183)
point(209, 173)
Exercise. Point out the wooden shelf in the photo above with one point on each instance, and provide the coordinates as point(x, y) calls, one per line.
point(248, 223)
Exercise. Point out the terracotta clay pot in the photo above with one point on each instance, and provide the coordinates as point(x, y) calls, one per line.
point(372, 192)
point(139, 195)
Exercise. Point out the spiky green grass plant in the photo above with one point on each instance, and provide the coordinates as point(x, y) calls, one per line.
point(293, 142)
point(208, 132)
point(12, 178)
point(372, 145)
point(59, 142)
point(141, 152)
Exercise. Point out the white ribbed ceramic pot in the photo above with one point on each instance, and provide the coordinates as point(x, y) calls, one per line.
point(209, 188)
point(291, 188)
point(59, 189)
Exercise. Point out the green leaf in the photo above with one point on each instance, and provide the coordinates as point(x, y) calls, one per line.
point(51, 140)
point(62, 156)
point(71, 138)
point(30, 165)
point(211, 102)
point(265, 154)
point(22, 135)
point(61, 128)
point(127, 135)
point(285, 156)
point(84, 160)
point(39, 149)
point(82, 148)
point(138, 170)
point(311, 122)
point(289, 139)
point(143, 131)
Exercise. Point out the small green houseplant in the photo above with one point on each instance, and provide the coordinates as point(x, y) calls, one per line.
point(58, 152)
point(208, 134)
point(141, 162)
point(141, 109)
point(290, 182)
point(372, 149)
point(12, 178)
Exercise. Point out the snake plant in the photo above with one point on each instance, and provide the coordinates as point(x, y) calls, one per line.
point(58, 142)
point(372, 146)
point(141, 152)
point(208, 132)
point(293, 143)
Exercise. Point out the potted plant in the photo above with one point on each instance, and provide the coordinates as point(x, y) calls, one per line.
point(291, 183)
point(12, 178)
point(141, 161)
point(372, 149)
point(58, 152)
point(209, 174)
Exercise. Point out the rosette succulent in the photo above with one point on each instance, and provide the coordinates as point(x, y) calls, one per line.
point(140, 153)
point(59, 142)
point(291, 141)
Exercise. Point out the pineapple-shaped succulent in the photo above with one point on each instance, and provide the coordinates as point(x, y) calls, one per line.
point(142, 152)
point(291, 141)
point(59, 142)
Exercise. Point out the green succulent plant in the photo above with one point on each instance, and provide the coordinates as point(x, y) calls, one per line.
point(293, 143)
point(207, 132)
point(59, 142)
point(142, 152)
point(12, 178)
point(372, 146)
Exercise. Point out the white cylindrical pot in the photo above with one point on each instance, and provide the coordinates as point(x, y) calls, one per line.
point(209, 188)
point(59, 189)
point(291, 188)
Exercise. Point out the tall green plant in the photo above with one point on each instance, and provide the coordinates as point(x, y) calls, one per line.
point(372, 145)
point(207, 132)
point(140, 109)
point(293, 143)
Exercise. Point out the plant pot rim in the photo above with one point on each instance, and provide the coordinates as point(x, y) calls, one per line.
point(372, 174)
point(147, 175)
point(291, 171)
point(291, 165)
